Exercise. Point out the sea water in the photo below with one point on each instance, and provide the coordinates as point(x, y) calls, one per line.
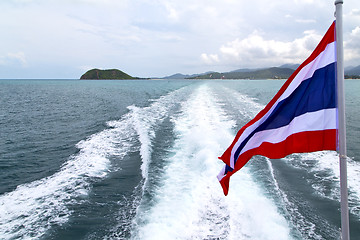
point(137, 159)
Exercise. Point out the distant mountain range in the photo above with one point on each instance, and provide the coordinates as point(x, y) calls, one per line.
point(352, 71)
point(267, 73)
point(282, 72)
point(184, 76)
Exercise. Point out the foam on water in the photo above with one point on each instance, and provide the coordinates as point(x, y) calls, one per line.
point(325, 167)
point(303, 227)
point(189, 203)
point(32, 208)
point(145, 120)
point(144, 123)
point(245, 105)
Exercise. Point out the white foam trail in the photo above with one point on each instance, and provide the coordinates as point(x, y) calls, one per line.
point(144, 123)
point(325, 166)
point(145, 134)
point(32, 208)
point(305, 228)
point(247, 106)
point(189, 203)
point(145, 120)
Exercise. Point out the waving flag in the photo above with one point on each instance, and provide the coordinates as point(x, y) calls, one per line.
point(302, 117)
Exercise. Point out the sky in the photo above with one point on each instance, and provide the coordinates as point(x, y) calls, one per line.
point(62, 39)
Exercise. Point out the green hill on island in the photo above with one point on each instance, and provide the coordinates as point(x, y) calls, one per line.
point(97, 74)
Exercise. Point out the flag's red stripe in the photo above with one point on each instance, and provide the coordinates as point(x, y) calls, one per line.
point(297, 143)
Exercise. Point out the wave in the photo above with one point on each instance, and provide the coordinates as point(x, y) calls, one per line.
point(33, 208)
point(189, 203)
point(145, 121)
point(302, 226)
point(324, 165)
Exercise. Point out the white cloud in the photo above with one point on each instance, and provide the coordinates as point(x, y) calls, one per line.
point(255, 50)
point(299, 20)
point(209, 58)
point(305, 20)
point(304, 1)
point(355, 37)
point(173, 14)
point(10, 59)
point(352, 47)
point(355, 12)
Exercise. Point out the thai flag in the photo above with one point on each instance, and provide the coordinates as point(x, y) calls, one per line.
point(302, 117)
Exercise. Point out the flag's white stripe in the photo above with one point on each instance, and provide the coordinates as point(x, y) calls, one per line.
point(313, 121)
point(325, 58)
point(221, 173)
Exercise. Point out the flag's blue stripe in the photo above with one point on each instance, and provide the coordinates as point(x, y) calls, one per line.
point(313, 94)
point(228, 169)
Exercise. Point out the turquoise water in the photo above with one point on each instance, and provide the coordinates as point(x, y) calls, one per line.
point(138, 160)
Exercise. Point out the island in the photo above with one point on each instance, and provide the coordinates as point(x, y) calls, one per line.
point(97, 74)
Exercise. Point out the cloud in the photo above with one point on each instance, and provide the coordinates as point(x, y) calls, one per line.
point(255, 50)
point(355, 38)
point(209, 58)
point(304, 1)
point(13, 59)
point(173, 14)
point(300, 20)
point(355, 12)
point(305, 20)
point(352, 47)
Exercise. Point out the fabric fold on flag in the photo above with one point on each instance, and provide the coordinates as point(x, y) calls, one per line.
point(302, 116)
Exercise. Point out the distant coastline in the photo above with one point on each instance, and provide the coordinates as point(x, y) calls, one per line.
point(267, 73)
point(282, 72)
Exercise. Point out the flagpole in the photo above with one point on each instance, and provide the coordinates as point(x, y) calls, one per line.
point(345, 234)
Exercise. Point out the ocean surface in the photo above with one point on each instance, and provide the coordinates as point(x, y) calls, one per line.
point(138, 160)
